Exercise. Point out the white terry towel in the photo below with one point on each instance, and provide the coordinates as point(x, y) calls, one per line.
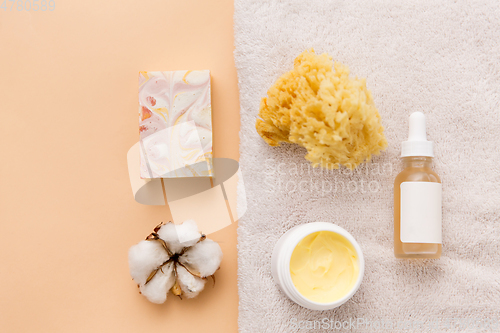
point(438, 57)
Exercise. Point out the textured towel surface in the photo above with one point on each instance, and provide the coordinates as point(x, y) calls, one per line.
point(438, 57)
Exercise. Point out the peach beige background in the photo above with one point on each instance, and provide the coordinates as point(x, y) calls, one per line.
point(68, 87)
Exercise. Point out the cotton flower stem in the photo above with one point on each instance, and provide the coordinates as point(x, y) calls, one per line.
point(176, 289)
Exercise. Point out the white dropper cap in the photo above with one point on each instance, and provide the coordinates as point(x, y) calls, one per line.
point(417, 144)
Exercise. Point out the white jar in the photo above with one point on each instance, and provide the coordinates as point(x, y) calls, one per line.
point(282, 253)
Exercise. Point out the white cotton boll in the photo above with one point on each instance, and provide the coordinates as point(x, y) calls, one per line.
point(205, 257)
point(156, 290)
point(179, 236)
point(144, 258)
point(190, 285)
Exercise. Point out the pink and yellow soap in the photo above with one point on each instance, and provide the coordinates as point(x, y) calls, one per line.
point(175, 124)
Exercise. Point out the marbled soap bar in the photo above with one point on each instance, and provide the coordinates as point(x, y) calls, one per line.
point(175, 124)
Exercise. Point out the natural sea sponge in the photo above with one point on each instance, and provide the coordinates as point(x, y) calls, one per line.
point(318, 106)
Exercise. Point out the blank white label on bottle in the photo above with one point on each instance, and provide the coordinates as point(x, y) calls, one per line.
point(421, 212)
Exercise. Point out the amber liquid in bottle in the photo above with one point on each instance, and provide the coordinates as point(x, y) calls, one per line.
point(417, 169)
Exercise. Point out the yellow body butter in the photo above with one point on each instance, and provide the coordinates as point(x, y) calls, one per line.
point(324, 266)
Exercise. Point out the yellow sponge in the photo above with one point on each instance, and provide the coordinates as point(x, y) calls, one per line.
point(324, 110)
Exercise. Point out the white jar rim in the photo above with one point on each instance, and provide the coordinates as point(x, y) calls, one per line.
point(280, 263)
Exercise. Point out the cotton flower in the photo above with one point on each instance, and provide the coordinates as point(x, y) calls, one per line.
point(173, 257)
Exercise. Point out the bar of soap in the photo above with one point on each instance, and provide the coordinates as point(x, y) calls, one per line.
point(175, 124)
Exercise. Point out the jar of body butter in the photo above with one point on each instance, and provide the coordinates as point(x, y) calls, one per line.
point(318, 265)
